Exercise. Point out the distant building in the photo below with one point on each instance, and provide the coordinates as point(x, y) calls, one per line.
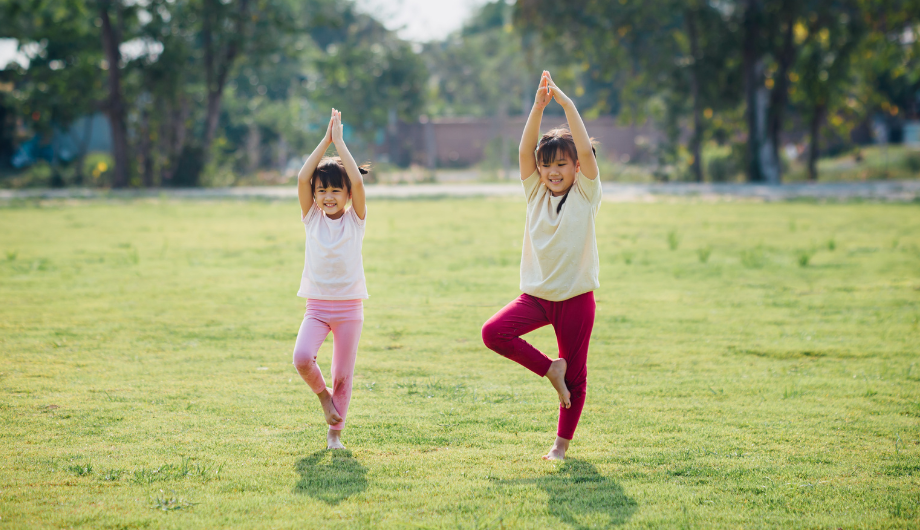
point(463, 142)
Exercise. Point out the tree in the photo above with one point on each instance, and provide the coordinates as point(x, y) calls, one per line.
point(115, 105)
point(365, 70)
point(62, 80)
point(834, 30)
point(676, 53)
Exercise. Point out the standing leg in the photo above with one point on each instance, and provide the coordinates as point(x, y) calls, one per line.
point(573, 320)
point(310, 337)
point(502, 333)
point(344, 353)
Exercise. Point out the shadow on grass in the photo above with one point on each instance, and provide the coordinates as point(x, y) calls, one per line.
point(331, 476)
point(581, 497)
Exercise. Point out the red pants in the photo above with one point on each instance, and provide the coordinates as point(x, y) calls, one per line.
point(572, 320)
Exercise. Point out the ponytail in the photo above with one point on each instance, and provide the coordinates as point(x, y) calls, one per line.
point(564, 197)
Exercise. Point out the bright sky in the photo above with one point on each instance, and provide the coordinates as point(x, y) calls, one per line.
point(7, 52)
point(421, 20)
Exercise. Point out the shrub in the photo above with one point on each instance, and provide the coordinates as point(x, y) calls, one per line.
point(724, 164)
point(912, 161)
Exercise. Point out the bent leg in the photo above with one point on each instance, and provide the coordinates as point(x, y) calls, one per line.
point(310, 337)
point(573, 321)
point(346, 336)
point(502, 333)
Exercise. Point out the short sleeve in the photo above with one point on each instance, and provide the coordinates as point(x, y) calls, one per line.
point(591, 189)
point(531, 185)
point(354, 215)
point(311, 215)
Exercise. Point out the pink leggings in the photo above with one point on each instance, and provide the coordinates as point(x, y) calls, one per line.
point(344, 318)
point(572, 320)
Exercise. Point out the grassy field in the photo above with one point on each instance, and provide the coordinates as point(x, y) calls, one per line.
point(752, 365)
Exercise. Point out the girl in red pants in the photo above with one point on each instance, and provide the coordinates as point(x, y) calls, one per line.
point(559, 263)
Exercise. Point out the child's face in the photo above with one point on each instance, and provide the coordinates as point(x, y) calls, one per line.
point(558, 175)
point(331, 199)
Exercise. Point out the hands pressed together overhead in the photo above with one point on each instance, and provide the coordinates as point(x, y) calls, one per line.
point(335, 128)
point(549, 91)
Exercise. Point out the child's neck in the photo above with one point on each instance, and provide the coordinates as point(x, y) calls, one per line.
point(336, 215)
point(561, 193)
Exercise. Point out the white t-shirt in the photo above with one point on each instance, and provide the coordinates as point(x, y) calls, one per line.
point(333, 268)
point(559, 259)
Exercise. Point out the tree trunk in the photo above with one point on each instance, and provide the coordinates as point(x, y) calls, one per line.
point(115, 107)
point(282, 154)
point(697, 139)
point(254, 148)
point(769, 164)
point(218, 65)
point(84, 147)
point(762, 162)
point(174, 137)
point(751, 60)
point(144, 147)
point(815, 131)
point(780, 92)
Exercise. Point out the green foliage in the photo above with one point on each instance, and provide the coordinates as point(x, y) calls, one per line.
point(723, 163)
point(275, 65)
point(912, 162)
point(480, 70)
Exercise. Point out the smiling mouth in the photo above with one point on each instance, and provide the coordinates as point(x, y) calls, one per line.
point(555, 180)
point(329, 204)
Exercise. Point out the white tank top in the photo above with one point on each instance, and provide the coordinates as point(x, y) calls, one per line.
point(333, 268)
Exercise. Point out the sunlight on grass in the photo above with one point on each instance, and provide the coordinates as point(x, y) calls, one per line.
point(752, 365)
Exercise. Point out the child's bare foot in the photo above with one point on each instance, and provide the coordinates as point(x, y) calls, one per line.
point(334, 439)
point(332, 415)
point(556, 376)
point(558, 450)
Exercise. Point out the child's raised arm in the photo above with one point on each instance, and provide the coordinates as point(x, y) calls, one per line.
point(358, 198)
point(304, 178)
point(531, 135)
point(579, 133)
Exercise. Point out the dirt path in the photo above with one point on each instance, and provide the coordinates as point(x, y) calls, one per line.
point(887, 191)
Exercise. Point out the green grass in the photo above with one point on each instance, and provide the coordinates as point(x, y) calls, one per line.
point(893, 162)
point(146, 377)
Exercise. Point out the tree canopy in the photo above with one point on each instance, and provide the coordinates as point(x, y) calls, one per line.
point(201, 91)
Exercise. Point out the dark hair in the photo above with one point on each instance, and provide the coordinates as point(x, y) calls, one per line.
point(330, 173)
point(555, 141)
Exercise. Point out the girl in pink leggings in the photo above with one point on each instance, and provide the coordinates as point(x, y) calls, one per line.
point(333, 273)
point(559, 263)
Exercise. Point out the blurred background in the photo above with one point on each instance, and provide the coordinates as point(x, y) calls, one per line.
point(186, 93)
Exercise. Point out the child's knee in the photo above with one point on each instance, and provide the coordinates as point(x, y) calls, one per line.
point(304, 361)
point(491, 335)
